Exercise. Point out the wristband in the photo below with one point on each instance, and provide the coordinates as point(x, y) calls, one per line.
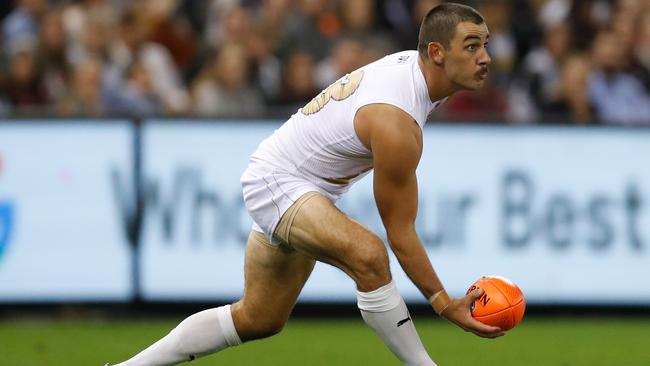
point(440, 300)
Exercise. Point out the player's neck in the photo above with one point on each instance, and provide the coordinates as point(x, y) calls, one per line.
point(438, 85)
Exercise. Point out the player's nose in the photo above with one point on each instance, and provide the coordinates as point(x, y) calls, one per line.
point(484, 58)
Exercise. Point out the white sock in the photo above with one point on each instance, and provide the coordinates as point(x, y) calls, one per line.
point(384, 311)
point(206, 332)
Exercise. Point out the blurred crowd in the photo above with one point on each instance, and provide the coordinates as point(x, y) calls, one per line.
point(553, 61)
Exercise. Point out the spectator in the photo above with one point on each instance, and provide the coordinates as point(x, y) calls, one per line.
point(587, 17)
point(618, 97)
point(642, 51)
point(360, 20)
point(137, 96)
point(24, 87)
point(218, 27)
point(266, 66)
point(223, 88)
point(233, 25)
point(171, 29)
point(503, 50)
point(51, 55)
point(85, 91)
point(574, 101)
point(133, 44)
point(263, 42)
point(625, 19)
point(20, 27)
point(346, 55)
point(526, 28)
point(80, 16)
point(405, 20)
point(90, 27)
point(541, 76)
point(271, 19)
point(305, 31)
point(298, 82)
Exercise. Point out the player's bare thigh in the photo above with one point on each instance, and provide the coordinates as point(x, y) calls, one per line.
point(321, 231)
point(274, 277)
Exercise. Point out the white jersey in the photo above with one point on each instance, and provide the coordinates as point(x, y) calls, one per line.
point(319, 142)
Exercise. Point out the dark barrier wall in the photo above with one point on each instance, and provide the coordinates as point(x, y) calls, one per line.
point(108, 211)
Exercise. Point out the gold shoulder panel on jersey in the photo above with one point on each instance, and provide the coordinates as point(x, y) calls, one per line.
point(340, 90)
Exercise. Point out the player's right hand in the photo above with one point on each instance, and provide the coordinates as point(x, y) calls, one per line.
point(458, 312)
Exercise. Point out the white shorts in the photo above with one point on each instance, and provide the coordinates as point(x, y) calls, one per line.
point(269, 192)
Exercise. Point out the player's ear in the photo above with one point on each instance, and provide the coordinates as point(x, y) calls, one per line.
point(436, 52)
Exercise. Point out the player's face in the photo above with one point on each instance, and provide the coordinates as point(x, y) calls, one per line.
point(467, 59)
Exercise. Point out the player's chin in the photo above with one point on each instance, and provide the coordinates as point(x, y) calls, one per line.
point(479, 83)
point(474, 84)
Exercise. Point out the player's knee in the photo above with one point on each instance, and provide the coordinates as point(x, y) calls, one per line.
point(256, 325)
point(263, 328)
point(272, 327)
point(371, 268)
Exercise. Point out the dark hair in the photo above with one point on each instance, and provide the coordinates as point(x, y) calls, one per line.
point(439, 25)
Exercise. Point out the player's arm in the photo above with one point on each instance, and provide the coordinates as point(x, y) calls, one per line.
point(396, 143)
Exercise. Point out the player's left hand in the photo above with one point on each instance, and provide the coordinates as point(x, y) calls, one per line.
point(458, 312)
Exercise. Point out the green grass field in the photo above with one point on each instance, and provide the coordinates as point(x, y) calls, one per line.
point(537, 341)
